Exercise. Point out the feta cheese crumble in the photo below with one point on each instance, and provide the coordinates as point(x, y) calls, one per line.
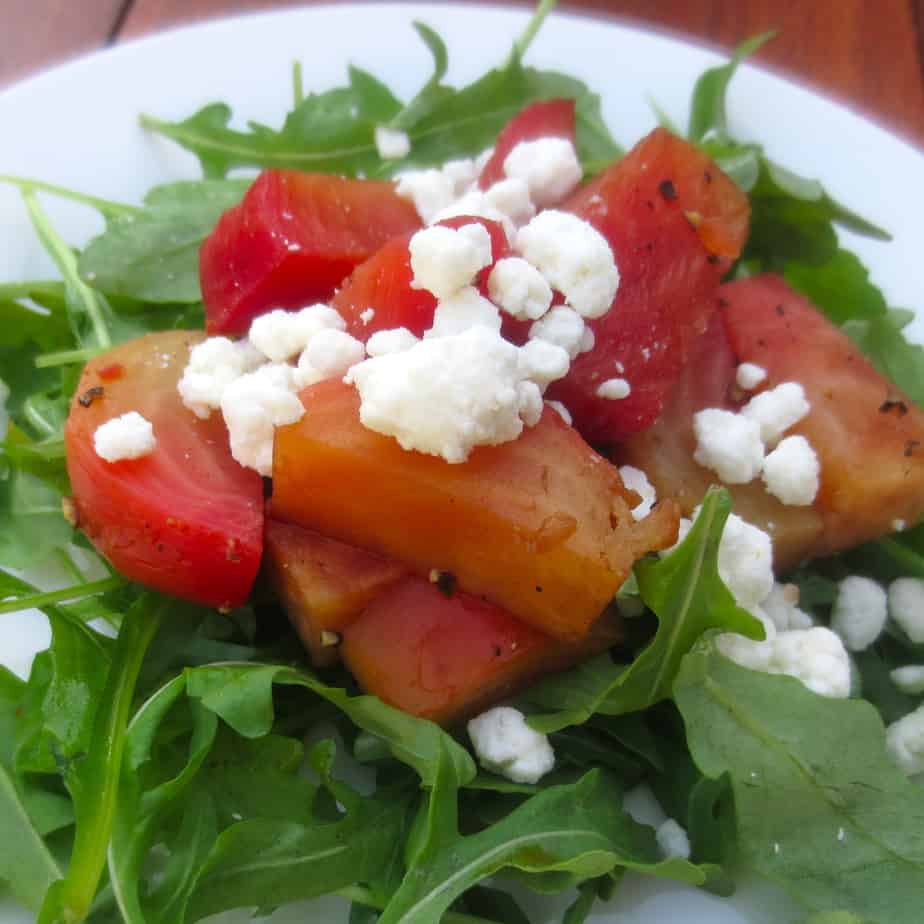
point(749, 375)
point(906, 606)
point(431, 191)
point(475, 204)
point(367, 315)
point(673, 840)
point(506, 745)
point(393, 340)
point(446, 395)
point(549, 167)
point(330, 354)
point(574, 257)
point(729, 444)
point(461, 311)
point(543, 362)
point(518, 288)
point(281, 335)
point(909, 679)
point(253, 406)
point(511, 198)
point(562, 411)
point(776, 410)
point(781, 607)
point(213, 365)
point(791, 472)
point(614, 389)
point(905, 741)
point(562, 326)
point(391, 144)
point(636, 480)
point(445, 260)
point(816, 657)
point(859, 612)
point(129, 436)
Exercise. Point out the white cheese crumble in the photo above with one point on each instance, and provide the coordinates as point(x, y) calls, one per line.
point(431, 191)
point(906, 606)
point(367, 315)
point(543, 362)
point(445, 260)
point(511, 197)
point(213, 365)
point(905, 741)
point(518, 288)
point(909, 679)
point(781, 606)
point(506, 745)
point(129, 436)
point(749, 375)
point(475, 204)
point(791, 472)
point(859, 612)
point(253, 406)
point(574, 257)
point(562, 411)
point(562, 326)
point(446, 395)
point(636, 480)
point(393, 340)
point(614, 389)
point(330, 354)
point(281, 335)
point(391, 144)
point(462, 173)
point(729, 444)
point(549, 166)
point(816, 657)
point(461, 311)
point(673, 840)
point(776, 410)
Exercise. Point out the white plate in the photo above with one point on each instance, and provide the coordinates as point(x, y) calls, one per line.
point(77, 126)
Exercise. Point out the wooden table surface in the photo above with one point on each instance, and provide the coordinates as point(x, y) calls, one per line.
point(865, 53)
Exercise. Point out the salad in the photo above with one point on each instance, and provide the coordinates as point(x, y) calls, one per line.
point(174, 754)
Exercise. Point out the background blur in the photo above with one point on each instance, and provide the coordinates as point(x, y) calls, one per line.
point(866, 53)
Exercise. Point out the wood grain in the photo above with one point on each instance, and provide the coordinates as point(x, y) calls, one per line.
point(38, 33)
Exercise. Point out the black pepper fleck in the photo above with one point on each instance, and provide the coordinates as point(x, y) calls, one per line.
point(446, 583)
point(910, 447)
point(668, 190)
point(890, 405)
point(712, 258)
point(90, 395)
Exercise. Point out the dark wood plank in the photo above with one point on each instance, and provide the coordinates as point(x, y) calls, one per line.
point(35, 34)
point(865, 54)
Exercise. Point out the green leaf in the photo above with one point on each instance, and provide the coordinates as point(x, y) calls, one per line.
point(888, 350)
point(579, 911)
point(242, 696)
point(93, 782)
point(836, 917)
point(686, 593)
point(578, 830)
point(820, 807)
point(707, 107)
point(153, 255)
point(26, 864)
point(840, 288)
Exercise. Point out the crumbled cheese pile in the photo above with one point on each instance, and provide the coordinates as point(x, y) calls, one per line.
point(129, 436)
point(506, 745)
point(735, 445)
point(462, 385)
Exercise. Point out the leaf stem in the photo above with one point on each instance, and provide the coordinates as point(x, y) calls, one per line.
point(94, 781)
point(363, 896)
point(105, 207)
point(66, 357)
point(521, 45)
point(298, 86)
point(67, 264)
point(66, 594)
point(900, 553)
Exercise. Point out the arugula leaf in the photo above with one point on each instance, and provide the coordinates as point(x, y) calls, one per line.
point(707, 106)
point(577, 830)
point(881, 339)
point(686, 593)
point(152, 255)
point(242, 696)
point(334, 131)
point(93, 781)
point(838, 826)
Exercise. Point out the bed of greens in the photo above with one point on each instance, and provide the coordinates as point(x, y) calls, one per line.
point(153, 766)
